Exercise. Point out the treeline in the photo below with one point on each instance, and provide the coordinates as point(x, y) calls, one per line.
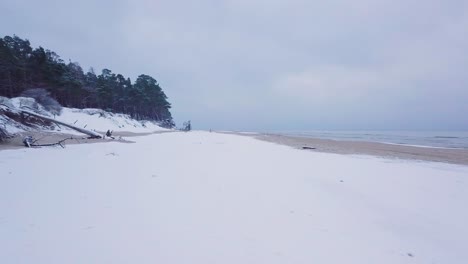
point(23, 68)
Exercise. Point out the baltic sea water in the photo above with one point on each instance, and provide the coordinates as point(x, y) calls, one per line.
point(434, 139)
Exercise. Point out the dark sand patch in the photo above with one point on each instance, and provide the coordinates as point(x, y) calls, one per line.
point(453, 156)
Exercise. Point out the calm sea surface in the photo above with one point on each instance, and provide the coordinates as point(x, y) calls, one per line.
point(437, 139)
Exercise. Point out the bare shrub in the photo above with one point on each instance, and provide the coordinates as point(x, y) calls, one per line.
point(3, 135)
point(43, 97)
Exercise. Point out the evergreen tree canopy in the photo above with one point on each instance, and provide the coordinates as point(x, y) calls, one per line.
point(22, 68)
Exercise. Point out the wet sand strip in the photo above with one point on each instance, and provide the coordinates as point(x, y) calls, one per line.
point(452, 156)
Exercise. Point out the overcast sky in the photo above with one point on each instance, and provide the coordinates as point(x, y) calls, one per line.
point(272, 65)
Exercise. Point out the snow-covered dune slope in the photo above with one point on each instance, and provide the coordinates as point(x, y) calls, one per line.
point(100, 120)
point(91, 119)
point(206, 198)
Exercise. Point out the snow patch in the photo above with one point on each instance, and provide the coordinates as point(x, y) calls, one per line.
point(185, 198)
point(100, 120)
point(91, 119)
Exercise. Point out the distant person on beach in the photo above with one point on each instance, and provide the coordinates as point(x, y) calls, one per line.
point(109, 134)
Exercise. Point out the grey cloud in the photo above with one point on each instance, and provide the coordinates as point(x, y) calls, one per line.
point(273, 64)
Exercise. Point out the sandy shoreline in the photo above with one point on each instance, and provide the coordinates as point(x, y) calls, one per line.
point(52, 137)
point(453, 156)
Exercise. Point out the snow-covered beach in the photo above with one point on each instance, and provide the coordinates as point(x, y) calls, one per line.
point(203, 197)
point(234, 132)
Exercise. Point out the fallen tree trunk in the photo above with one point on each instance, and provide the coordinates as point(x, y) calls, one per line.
point(30, 142)
point(51, 144)
point(90, 133)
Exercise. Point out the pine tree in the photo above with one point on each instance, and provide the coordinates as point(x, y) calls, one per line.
point(22, 68)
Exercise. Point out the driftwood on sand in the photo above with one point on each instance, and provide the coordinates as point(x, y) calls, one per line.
point(30, 142)
point(306, 147)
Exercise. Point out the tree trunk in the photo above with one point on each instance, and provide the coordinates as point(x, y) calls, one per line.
point(90, 133)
